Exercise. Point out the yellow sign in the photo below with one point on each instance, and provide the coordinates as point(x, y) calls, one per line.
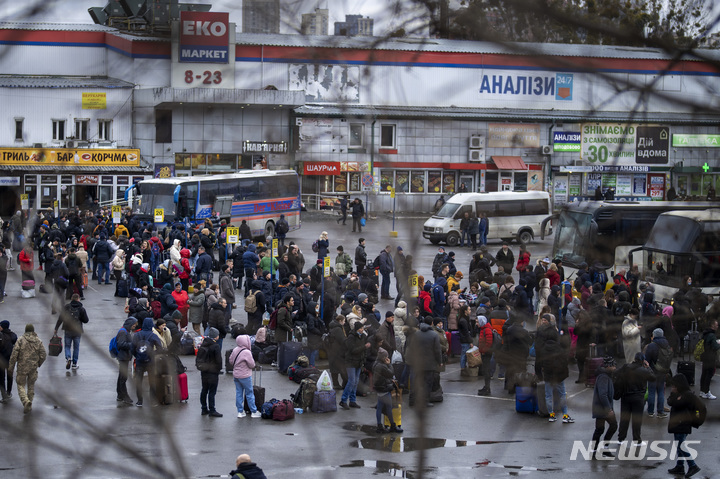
point(69, 157)
point(233, 235)
point(56, 207)
point(116, 213)
point(159, 215)
point(24, 202)
point(413, 281)
point(94, 101)
point(326, 266)
point(275, 247)
point(392, 192)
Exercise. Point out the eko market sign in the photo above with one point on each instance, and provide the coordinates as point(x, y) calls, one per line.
point(625, 144)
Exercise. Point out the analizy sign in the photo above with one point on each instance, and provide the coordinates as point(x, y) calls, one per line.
point(204, 37)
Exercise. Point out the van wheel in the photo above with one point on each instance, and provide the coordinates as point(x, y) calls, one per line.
point(435, 241)
point(452, 239)
point(525, 237)
point(269, 230)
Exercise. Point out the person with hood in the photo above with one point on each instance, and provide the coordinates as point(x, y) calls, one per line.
point(315, 331)
point(424, 356)
point(384, 384)
point(485, 344)
point(555, 371)
point(167, 301)
point(466, 336)
point(227, 290)
point(634, 378)
point(631, 332)
point(386, 332)
point(28, 355)
point(360, 256)
point(72, 318)
point(175, 253)
point(212, 295)
point(602, 407)
point(358, 211)
point(386, 267)
point(336, 352)
point(144, 344)
point(74, 266)
point(196, 305)
point(281, 229)
point(438, 294)
point(123, 339)
point(400, 315)
point(209, 363)
point(659, 356)
point(343, 263)
point(203, 265)
point(216, 318)
point(682, 408)
point(452, 308)
point(243, 364)
point(356, 345)
point(250, 261)
point(118, 266)
point(184, 270)
point(7, 343)
point(245, 468)
point(425, 300)
point(262, 305)
point(102, 254)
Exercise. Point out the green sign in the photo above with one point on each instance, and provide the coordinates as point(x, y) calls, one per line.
point(704, 141)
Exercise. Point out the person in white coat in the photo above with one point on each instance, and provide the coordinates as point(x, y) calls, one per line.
point(631, 335)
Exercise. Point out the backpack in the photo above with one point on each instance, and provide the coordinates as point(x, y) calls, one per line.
point(273, 319)
point(282, 227)
point(303, 397)
point(266, 410)
point(113, 348)
point(155, 249)
point(201, 360)
point(437, 264)
point(665, 356)
point(619, 309)
point(251, 302)
point(315, 246)
point(699, 412)
point(376, 262)
point(699, 350)
point(497, 340)
point(143, 351)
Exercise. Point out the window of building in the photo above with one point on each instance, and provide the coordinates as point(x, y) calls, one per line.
point(387, 136)
point(434, 182)
point(81, 129)
point(163, 126)
point(357, 133)
point(18, 129)
point(402, 180)
point(386, 180)
point(104, 129)
point(449, 182)
point(417, 182)
point(354, 181)
point(58, 129)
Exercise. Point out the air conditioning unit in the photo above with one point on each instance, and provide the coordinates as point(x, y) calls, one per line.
point(476, 155)
point(547, 150)
point(76, 144)
point(477, 141)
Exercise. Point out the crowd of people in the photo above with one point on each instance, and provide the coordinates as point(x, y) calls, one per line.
point(169, 279)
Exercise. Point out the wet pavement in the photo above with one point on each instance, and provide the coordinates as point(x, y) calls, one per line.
point(76, 429)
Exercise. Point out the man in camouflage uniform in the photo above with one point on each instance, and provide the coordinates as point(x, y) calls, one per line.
point(29, 354)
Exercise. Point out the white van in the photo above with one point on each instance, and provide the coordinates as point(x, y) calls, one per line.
point(511, 215)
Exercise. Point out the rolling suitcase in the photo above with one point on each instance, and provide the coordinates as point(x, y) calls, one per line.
point(526, 399)
point(287, 353)
point(591, 366)
point(687, 367)
point(455, 347)
point(122, 288)
point(691, 339)
point(324, 401)
point(228, 365)
point(183, 393)
point(258, 391)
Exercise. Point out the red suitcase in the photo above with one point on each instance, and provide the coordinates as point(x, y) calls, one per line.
point(183, 387)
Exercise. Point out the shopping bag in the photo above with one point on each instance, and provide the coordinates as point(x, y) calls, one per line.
point(474, 357)
point(325, 382)
point(396, 357)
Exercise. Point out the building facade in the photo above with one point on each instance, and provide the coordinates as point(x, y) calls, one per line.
point(355, 25)
point(92, 110)
point(261, 16)
point(315, 23)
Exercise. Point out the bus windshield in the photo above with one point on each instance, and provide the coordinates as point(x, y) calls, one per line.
point(570, 241)
point(448, 210)
point(156, 196)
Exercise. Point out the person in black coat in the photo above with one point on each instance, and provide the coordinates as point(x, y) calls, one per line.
point(7, 342)
point(336, 352)
point(682, 407)
point(634, 378)
point(245, 468)
point(209, 362)
point(424, 355)
point(384, 385)
point(602, 406)
point(124, 347)
point(355, 346)
point(555, 371)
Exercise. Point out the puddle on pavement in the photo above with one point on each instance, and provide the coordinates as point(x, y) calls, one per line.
point(516, 469)
point(408, 444)
point(385, 467)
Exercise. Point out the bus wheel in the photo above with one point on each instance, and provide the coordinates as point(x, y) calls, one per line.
point(525, 237)
point(452, 239)
point(269, 229)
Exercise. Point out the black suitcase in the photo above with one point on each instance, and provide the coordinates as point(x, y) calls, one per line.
point(687, 369)
point(122, 288)
point(228, 365)
point(258, 390)
point(287, 353)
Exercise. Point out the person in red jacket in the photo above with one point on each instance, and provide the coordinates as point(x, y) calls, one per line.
point(424, 301)
point(485, 341)
point(26, 263)
point(523, 258)
point(181, 298)
point(184, 275)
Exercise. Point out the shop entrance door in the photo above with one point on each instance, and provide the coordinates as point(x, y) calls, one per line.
point(48, 195)
point(468, 181)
